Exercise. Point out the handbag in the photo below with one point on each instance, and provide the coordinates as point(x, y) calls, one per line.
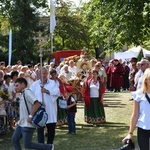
point(62, 103)
point(40, 117)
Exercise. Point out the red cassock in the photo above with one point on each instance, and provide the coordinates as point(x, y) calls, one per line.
point(116, 79)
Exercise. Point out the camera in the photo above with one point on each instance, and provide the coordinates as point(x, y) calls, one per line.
point(128, 145)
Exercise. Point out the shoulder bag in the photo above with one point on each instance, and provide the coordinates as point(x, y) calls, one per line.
point(147, 97)
point(40, 117)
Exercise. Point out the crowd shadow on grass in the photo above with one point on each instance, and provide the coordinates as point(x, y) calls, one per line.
point(115, 105)
point(107, 103)
point(106, 124)
point(112, 95)
point(94, 138)
point(85, 126)
point(114, 101)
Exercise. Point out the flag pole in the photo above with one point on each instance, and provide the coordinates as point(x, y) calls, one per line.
point(51, 42)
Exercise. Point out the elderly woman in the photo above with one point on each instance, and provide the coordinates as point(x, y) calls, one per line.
point(93, 98)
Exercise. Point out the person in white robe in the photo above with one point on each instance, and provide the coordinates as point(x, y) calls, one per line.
point(47, 93)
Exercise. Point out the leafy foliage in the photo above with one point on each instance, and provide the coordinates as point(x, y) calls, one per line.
point(117, 23)
point(70, 33)
point(23, 18)
point(103, 25)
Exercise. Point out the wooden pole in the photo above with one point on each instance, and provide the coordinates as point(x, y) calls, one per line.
point(41, 64)
point(51, 35)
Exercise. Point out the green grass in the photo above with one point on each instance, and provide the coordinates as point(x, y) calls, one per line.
point(108, 135)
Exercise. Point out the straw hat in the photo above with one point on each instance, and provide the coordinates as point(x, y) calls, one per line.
point(83, 65)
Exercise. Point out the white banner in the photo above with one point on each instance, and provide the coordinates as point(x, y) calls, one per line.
point(52, 16)
point(10, 47)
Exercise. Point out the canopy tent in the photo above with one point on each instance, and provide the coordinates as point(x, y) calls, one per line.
point(146, 53)
point(133, 52)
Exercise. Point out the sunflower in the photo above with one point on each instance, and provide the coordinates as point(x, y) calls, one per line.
point(4, 94)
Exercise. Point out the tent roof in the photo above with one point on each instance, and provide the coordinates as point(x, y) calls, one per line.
point(133, 52)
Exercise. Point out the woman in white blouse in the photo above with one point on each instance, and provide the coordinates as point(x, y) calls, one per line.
point(141, 114)
point(93, 98)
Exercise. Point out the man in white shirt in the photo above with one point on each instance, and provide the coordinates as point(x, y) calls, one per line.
point(102, 72)
point(72, 68)
point(31, 75)
point(25, 129)
point(47, 93)
point(144, 65)
point(67, 73)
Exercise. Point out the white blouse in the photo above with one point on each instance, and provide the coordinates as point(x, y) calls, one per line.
point(94, 89)
point(144, 111)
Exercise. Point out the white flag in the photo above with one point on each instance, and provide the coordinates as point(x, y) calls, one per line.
point(10, 47)
point(52, 16)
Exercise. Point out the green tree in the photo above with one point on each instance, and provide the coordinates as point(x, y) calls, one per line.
point(23, 17)
point(117, 23)
point(70, 33)
point(4, 25)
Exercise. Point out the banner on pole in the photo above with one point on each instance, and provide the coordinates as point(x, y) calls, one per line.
point(52, 16)
point(10, 47)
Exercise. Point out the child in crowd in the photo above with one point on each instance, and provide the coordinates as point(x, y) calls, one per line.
point(71, 111)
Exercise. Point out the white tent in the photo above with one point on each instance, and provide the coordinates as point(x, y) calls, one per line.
point(146, 53)
point(127, 55)
point(124, 56)
point(133, 52)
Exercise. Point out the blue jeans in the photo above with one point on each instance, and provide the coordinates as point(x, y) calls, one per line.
point(27, 134)
point(71, 122)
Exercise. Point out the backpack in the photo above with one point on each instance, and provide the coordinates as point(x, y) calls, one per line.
point(40, 117)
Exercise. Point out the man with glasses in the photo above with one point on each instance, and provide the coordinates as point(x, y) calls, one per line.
point(144, 65)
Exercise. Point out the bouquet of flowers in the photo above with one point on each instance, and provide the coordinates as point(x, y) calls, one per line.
point(4, 94)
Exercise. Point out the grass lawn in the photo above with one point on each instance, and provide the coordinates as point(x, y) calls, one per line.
point(106, 136)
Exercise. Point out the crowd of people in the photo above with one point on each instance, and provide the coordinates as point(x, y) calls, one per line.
point(49, 83)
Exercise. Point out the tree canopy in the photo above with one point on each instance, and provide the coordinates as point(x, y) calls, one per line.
point(70, 32)
point(103, 25)
point(23, 18)
point(117, 23)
